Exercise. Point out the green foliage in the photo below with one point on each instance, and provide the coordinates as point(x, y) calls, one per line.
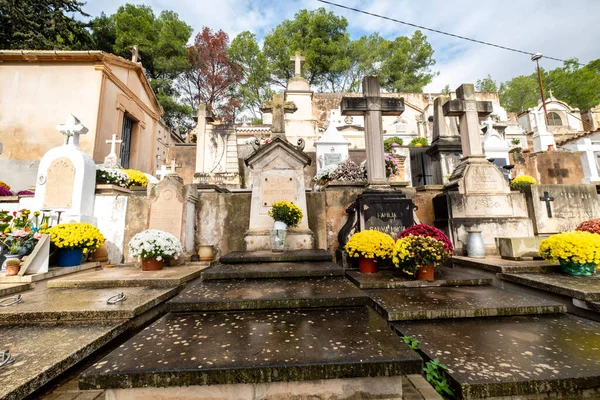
point(42, 25)
point(516, 141)
point(256, 121)
point(411, 341)
point(254, 89)
point(520, 93)
point(435, 373)
point(578, 87)
point(287, 212)
point(446, 90)
point(516, 150)
point(387, 143)
point(418, 142)
point(104, 32)
point(486, 84)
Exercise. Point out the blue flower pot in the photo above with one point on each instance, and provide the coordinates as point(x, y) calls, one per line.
point(69, 257)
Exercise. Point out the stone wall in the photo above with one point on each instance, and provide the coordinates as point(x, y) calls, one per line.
point(136, 220)
point(423, 199)
point(551, 167)
point(185, 155)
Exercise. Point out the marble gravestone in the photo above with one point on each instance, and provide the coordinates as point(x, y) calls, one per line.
point(332, 148)
point(445, 149)
point(66, 177)
point(560, 208)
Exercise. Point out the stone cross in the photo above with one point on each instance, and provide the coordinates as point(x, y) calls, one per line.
point(546, 197)
point(162, 172)
point(111, 160)
point(373, 107)
point(278, 108)
point(468, 109)
point(135, 54)
point(558, 173)
point(298, 60)
point(72, 128)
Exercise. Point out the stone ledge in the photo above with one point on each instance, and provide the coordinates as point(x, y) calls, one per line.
point(497, 264)
point(238, 257)
point(586, 288)
point(392, 279)
point(53, 272)
point(273, 270)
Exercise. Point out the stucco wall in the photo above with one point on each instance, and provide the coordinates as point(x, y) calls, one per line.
point(550, 167)
point(185, 156)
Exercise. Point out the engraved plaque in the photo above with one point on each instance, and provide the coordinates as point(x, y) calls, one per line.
point(166, 213)
point(59, 184)
point(332, 158)
point(484, 179)
point(276, 188)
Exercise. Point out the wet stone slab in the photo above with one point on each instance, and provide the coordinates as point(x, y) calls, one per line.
point(457, 302)
point(52, 273)
point(268, 294)
point(512, 356)
point(579, 287)
point(253, 347)
point(130, 276)
point(272, 270)
point(7, 289)
point(497, 264)
point(83, 304)
point(237, 257)
point(390, 279)
point(44, 351)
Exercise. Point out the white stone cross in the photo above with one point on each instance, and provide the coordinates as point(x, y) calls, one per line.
point(72, 128)
point(298, 60)
point(162, 172)
point(111, 160)
point(113, 144)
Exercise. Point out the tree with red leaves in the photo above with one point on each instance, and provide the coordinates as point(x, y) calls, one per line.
point(212, 78)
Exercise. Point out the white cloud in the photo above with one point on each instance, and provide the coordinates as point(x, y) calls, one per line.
point(560, 28)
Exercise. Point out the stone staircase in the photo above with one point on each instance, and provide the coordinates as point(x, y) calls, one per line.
point(264, 319)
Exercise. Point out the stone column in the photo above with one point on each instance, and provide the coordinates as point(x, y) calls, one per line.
point(201, 138)
point(374, 133)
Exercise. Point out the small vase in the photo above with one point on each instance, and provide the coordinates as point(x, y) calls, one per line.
point(277, 239)
point(574, 269)
point(12, 270)
point(279, 225)
point(367, 265)
point(425, 273)
point(69, 257)
point(206, 252)
point(475, 246)
point(6, 258)
point(152, 264)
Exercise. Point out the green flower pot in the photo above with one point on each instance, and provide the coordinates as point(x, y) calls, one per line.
point(570, 268)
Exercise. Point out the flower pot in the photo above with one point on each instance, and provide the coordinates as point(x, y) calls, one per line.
point(425, 273)
point(475, 246)
point(279, 225)
point(100, 255)
point(367, 265)
point(12, 270)
point(69, 257)
point(152, 264)
point(6, 258)
point(570, 268)
point(206, 252)
point(551, 147)
point(277, 239)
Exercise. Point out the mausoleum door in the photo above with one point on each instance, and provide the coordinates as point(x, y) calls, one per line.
point(126, 133)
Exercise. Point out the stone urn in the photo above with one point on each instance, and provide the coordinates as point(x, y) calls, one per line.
point(475, 246)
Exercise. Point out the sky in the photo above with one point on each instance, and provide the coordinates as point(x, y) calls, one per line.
point(557, 28)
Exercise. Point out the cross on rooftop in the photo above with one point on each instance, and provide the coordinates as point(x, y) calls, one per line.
point(298, 60)
point(72, 128)
point(278, 108)
point(373, 107)
point(135, 54)
point(546, 197)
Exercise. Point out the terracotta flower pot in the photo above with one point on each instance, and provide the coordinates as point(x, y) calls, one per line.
point(206, 252)
point(367, 265)
point(101, 254)
point(12, 270)
point(152, 264)
point(425, 273)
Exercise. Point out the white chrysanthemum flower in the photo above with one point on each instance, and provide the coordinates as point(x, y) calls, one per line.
point(154, 243)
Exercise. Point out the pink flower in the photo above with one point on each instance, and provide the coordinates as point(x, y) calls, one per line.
point(37, 236)
point(20, 233)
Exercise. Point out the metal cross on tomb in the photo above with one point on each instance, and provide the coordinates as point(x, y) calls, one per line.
point(372, 106)
point(278, 108)
point(547, 198)
point(72, 128)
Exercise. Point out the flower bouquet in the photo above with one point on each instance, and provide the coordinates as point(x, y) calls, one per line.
point(430, 231)
point(592, 226)
point(522, 182)
point(136, 178)
point(418, 256)
point(369, 246)
point(577, 252)
point(111, 176)
point(74, 241)
point(286, 212)
point(153, 247)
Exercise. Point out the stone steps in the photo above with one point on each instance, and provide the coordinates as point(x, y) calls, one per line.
point(228, 295)
point(7, 289)
point(394, 279)
point(497, 264)
point(585, 288)
point(186, 349)
point(273, 270)
point(241, 257)
point(550, 355)
point(457, 302)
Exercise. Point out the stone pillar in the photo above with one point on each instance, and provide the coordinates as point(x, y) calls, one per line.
point(201, 138)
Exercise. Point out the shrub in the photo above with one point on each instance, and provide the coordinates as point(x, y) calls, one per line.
point(419, 142)
point(522, 182)
point(370, 244)
point(411, 252)
point(387, 143)
point(154, 244)
point(286, 212)
point(592, 226)
point(136, 178)
point(430, 231)
point(113, 176)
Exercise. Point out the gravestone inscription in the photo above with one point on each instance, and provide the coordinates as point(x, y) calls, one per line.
point(59, 182)
point(332, 158)
point(166, 207)
point(276, 188)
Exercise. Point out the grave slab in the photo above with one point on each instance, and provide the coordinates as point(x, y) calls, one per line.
point(52, 273)
point(237, 257)
point(585, 288)
point(514, 356)
point(6, 289)
point(391, 279)
point(131, 276)
point(228, 295)
point(457, 302)
point(44, 351)
point(497, 264)
point(82, 304)
point(184, 349)
point(272, 270)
